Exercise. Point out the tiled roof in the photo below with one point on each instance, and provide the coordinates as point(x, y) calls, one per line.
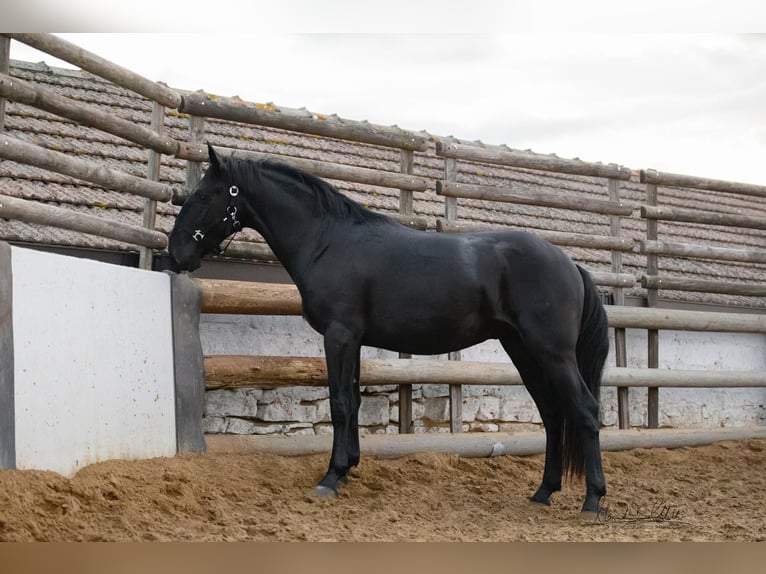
point(49, 131)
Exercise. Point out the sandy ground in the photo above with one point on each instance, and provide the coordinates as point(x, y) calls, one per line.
point(715, 492)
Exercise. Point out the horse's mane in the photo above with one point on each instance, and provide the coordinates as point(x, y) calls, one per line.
point(328, 200)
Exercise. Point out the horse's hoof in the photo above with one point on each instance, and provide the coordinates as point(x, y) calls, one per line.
point(588, 517)
point(539, 501)
point(325, 491)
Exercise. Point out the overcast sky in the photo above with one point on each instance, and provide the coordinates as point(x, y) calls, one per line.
point(687, 102)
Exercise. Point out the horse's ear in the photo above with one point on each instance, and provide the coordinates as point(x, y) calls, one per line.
point(215, 161)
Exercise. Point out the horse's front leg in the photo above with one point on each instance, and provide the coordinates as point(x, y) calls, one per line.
point(342, 355)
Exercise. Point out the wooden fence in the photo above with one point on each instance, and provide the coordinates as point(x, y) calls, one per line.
point(616, 245)
point(199, 106)
point(232, 297)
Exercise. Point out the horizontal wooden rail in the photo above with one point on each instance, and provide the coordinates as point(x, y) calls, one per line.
point(474, 444)
point(554, 237)
point(29, 94)
point(318, 168)
point(24, 152)
point(43, 214)
point(363, 132)
point(694, 182)
point(689, 250)
point(99, 66)
point(528, 197)
point(251, 298)
point(529, 160)
point(703, 286)
point(609, 279)
point(705, 217)
point(236, 371)
point(682, 320)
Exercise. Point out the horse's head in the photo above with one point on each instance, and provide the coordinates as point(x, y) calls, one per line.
point(208, 216)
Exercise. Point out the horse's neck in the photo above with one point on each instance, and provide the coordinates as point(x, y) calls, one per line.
point(289, 226)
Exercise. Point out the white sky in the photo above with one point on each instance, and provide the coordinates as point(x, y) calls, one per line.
point(678, 91)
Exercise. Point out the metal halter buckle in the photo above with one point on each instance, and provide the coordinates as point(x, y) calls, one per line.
point(234, 191)
point(198, 235)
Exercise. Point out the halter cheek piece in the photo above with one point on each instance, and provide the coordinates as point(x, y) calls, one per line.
point(231, 211)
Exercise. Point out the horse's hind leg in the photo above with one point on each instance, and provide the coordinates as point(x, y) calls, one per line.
point(577, 427)
point(539, 389)
point(581, 432)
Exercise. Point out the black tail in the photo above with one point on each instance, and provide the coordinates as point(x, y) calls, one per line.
point(591, 351)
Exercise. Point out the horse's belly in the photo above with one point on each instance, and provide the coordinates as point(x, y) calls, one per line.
point(434, 337)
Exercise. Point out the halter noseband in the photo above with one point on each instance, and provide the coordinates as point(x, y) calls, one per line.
point(231, 212)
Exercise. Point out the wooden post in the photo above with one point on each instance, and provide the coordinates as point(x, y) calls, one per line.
point(5, 55)
point(146, 255)
point(620, 350)
point(653, 346)
point(406, 207)
point(196, 135)
point(455, 391)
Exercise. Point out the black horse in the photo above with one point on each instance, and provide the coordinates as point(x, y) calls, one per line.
point(365, 279)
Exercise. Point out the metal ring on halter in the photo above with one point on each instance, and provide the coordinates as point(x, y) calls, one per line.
point(234, 191)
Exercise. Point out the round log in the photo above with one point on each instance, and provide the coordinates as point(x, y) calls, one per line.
point(515, 158)
point(99, 66)
point(43, 214)
point(363, 132)
point(690, 250)
point(236, 371)
point(24, 152)
point(527, 197)
point(654, 212)
point(23, 92)
point(249, 298)
point(475, 445)
point(677, 180)
point(703, 286)
point(681, 320)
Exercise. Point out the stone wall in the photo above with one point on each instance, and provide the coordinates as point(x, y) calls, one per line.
point(305, 410)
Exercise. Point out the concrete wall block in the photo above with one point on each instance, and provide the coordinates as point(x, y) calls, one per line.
point(379, 389)
point(295, 394)
point(436, 409)
point(489, 409)
point(213, 424)
point(287, 410)
point(470, 408)
point(373, 411)
point(232, 402)
point(431, 391)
